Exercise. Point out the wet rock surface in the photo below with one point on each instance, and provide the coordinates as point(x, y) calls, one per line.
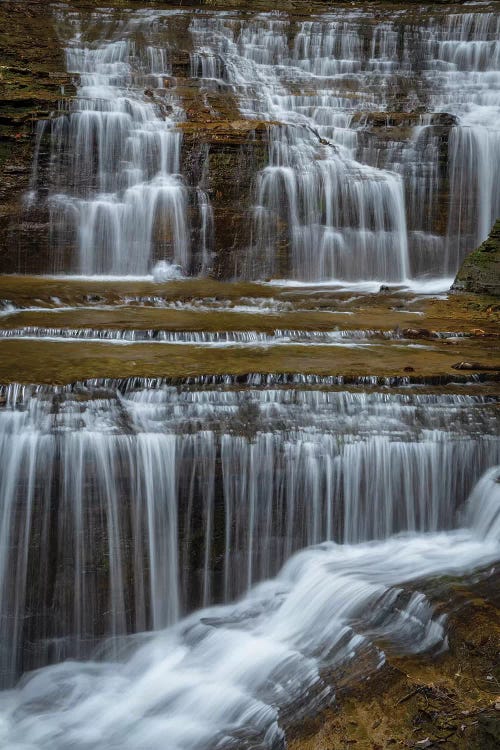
point(480, 271)
point(447, 701)
point(197, 327)
point(33, 85)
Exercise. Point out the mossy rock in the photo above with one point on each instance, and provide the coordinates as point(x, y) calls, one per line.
point(480, 271)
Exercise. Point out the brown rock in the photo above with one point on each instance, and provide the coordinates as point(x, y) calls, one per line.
point(474, 366)
point(417, 333)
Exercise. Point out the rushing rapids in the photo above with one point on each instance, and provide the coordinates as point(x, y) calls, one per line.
point(383, 143)
point(133, 504)
point(226, 676)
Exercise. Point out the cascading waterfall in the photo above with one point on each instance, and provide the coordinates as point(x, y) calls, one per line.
point(346, 337)
point(130, 506)
point(338, 200)
point(469, 49)
point(383, 145)
point(228, 676)
point(344, 219)
point(190, 562)
point(120, 204)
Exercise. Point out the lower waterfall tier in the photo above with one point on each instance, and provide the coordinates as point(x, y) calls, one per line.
point(124, 508)
point(229, 676)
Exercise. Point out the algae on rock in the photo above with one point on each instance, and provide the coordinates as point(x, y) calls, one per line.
point(480, 271)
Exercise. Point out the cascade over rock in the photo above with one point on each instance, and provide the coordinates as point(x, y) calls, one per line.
point(228, 675)
point(371, 156)
point(146, 502)
point(249, 454)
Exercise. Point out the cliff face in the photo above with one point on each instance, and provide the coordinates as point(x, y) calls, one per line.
point(33, 85)
point(480, 271)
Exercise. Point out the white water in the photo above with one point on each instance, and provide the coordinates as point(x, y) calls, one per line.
point(229, 676)
point(346, 337)
point(341, 199)
point(124, 204)
point(124, 505)
point(354, 202)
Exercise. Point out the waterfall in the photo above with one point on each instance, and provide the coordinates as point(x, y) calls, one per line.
point(350, 338)
point(343, 200)
point(191, 562)
point(383, 141)
point(119, 203)
point(230, 675)
point(124, 507)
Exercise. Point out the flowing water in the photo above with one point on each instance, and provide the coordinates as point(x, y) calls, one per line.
point(227, 676)
point(132, 503)
point(353, 205)
point(190, 563)
point(125, 200)
point(383, 141)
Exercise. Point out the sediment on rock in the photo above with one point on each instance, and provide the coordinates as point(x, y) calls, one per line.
point(480, 271)
point(449, 700)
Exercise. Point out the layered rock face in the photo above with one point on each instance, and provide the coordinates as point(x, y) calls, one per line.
point(480, 271)
point(33, 86)
point(349, 144)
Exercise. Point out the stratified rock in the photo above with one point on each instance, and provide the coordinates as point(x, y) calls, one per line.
point(475, 366)
point(33, 86)
point(480, 271)
point(418, 333)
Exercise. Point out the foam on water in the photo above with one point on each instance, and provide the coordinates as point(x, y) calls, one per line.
point(125, 504)
point(226, 676)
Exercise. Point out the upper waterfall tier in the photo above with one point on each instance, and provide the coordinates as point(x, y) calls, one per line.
point(349, 203)
point(117, 159)
point(381, 144)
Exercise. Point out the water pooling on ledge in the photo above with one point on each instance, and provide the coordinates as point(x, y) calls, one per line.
point(125, 505)
point(228, 676)
point(211, 338)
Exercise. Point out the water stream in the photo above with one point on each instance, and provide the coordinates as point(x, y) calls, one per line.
point(187, 564)
point(227, 676)
point(383, 141)
point(133, 503)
